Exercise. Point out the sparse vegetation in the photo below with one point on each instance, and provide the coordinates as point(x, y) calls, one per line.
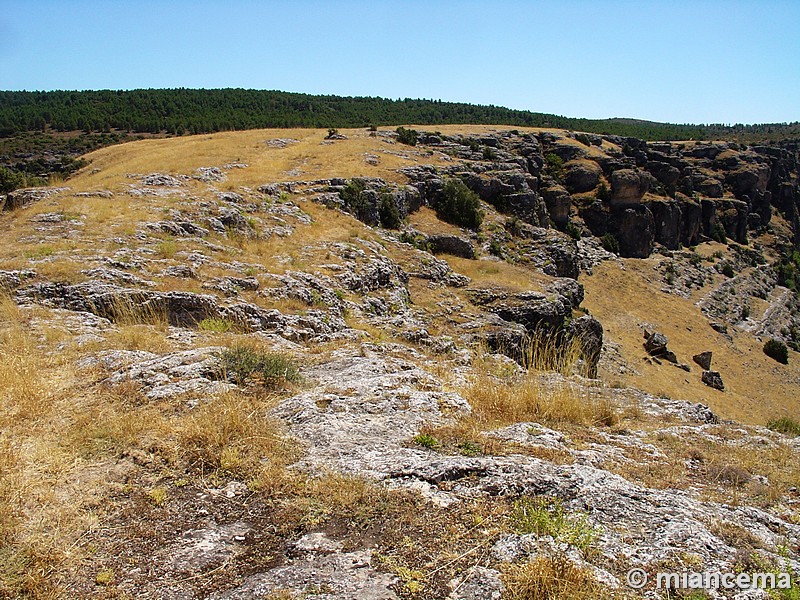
point(551, 578)
point(573, 231)
point(427, 441)
point(215, 325)
point(785, 425)
point(610, 243)
point(547, 516)
point(270, 369)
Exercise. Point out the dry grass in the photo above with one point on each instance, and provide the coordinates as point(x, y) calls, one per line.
point(501, 398)
point(234, 435)
point(62, 436)
point(725, 470)
point(552, 578)
point(756, 387)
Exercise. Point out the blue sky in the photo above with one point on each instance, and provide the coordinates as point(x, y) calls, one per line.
point(679, 61)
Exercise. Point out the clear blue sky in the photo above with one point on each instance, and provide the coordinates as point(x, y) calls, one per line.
point(680, 61)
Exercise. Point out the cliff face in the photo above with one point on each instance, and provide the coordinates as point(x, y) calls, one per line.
point(671, 194)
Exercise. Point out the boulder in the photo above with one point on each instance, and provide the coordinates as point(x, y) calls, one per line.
point(710, 187)
point(666, 174)
point(629, 186)
point(558, 202)
point(656, 344)
point(713, 379)
point(703, 359)
point(667, 221)
point(581, 176)
point(27, 196)
point(588, 332)
point(633, 226)
point(450, 244)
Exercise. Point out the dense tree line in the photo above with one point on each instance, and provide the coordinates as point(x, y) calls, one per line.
point(179, 111)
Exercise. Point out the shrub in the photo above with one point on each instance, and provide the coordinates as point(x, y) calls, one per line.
point(718, 234)
point(353, 198)
point(459, 205)
point(407, 136)
point(727, 270)
point(777, 350)
point(610, 243)
point(573, 231)
point(489, 153)
point(784, 425)
point(603, 193)
point(270, 369)
point(388, 213)
point(555, 165)
point(215, 325)
point(496, 248)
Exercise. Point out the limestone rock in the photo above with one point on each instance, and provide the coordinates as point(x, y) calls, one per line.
point(629, 186)
point(450, 244)
point(713, 379)
point(703, 359)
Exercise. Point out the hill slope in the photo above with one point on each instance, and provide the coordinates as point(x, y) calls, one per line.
point(258, 364)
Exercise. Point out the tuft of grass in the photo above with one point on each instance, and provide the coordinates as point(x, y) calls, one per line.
point(784, 425)
point(167, 249)
point(250, 364)
point(551, 578)
point(158, 495)
point(215, 325)
point(427, 441)
point(104, 577)
point(234, 435)
point(546, 516)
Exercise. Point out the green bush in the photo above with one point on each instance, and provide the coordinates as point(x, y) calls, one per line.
point(555, 164)
point(727, 270)
point(459, 205)
point(271, 369)
point(610, 243)
point(573, 231)
point(407, 136)
point(496, 248)
point(11, 180)
point(777, 350)
point(354, 200)
point(785, 425)
point(603, 193)
point(718, 233)
point(388, 213)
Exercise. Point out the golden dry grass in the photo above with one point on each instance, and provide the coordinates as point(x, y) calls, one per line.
point(552, 578)
point(756, 387)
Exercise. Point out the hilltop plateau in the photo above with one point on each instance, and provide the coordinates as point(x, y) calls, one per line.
point(451, 361)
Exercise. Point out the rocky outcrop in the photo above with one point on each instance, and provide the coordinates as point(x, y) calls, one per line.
point(628, 186)
point(182, 309)
point(582, 176)
point(27, 196)
point(450, 244)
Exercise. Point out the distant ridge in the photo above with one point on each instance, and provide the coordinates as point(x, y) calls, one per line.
point(179, 111)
